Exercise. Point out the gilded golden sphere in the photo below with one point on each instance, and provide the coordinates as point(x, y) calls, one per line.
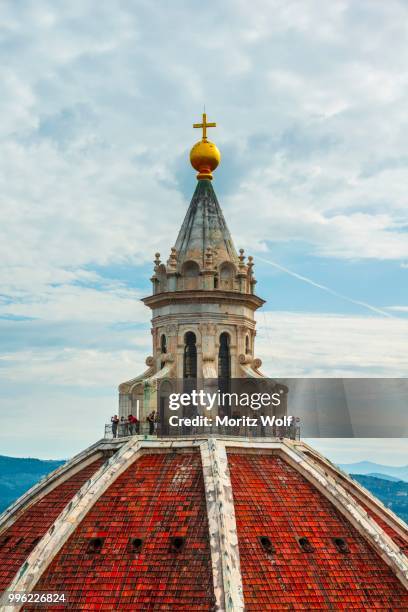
point(205, 157)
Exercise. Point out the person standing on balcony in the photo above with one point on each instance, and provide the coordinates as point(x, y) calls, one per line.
point(151, 420)
point(115, 422)
point(123, 427)
point(131, 424)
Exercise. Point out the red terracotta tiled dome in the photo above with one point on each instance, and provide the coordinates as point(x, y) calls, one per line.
point(204, 524)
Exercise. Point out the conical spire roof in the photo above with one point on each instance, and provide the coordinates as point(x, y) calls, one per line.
point(204, 226)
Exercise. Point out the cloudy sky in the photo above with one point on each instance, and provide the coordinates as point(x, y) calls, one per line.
point(97, 103)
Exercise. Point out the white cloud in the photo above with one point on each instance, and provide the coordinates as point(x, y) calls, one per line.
point(83, 380)
point(97, 105)
point(88, 139)
point(109, 303)
point(289, 207)
point(323, 345)
point(57, 428)
point(290, 344)
point(75, 368)
point(77, 207)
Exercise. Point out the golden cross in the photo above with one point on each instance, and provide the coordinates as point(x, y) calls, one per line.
point(204, 125)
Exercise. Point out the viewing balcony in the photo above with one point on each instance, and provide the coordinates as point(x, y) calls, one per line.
point(243, 431)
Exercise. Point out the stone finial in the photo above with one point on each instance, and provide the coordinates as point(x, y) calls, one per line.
point(250, 265)
point(241, 261)
point(251, 276)
point(157, 261)
point(172, 260)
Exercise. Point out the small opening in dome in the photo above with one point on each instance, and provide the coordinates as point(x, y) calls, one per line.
point(341, 545)
point(177, 543)
point(305, 545)
point(95, 545)
point(266, 544)
point(136, 544)
point(4, 541)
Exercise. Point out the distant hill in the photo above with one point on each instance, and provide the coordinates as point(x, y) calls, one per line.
point(18, 475)
point(385, 477)
point(368, 467)
point(393, 494)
